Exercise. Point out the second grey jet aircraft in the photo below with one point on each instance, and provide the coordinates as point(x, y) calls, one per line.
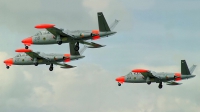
point(28, 57)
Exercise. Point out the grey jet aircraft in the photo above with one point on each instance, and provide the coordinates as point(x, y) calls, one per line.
point(147, 76)
point(28, 57)
point(55, 35)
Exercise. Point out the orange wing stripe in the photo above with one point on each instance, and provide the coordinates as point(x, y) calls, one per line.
point(139, 70)
point(42, 26)
point(23, 50)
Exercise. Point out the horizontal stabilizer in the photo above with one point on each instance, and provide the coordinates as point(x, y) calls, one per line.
point(92, 44)
point(113, 25)
point(64, 65)
point(95, 45)
point(173, 83)
point(192, 68)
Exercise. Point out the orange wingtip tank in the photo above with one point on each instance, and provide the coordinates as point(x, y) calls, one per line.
point(23, 50)
point(42, 26)
point(139, 70)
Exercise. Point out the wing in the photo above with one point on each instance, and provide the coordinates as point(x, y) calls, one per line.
point(145, 73)
point(30, 53)
point(92, 44)
point(172, 83)
point(34, 54)
point(52, 29)
point(113, 25)
point(64, 65)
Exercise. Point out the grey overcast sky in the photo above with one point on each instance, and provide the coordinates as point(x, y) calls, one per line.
point(152, 34)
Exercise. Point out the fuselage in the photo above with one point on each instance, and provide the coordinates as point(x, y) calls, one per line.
point(24, 59)
point(164, 77)
point(45, 37)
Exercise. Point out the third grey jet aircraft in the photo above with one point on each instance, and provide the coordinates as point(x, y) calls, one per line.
point(147, 76)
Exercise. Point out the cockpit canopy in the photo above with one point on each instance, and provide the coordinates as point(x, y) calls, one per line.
point(42, 33)
point(21, 55)
point(24, 54)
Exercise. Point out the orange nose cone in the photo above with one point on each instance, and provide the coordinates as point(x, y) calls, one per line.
point(28, 40)
point(9, 61)
point(120, 79)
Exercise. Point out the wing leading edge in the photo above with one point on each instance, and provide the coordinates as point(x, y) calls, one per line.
point(145, 73)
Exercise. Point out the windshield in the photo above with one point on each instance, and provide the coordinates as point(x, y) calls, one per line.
point(37, 34)
point(21, 54)
point(42, 33)
point(129, 74)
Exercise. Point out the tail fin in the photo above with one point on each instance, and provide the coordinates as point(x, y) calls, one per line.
point(71, 48)
point(184, 68)
point(103, 26)
point(83, 49)
point(74, 52)
point(114, 24)
point(192, 68)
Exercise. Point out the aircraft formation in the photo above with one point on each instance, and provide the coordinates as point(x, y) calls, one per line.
point(54, 35)
point(58, 36)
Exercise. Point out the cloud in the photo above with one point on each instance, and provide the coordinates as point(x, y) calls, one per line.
point(88, 88)
point(142, 41)
point(23, 19)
